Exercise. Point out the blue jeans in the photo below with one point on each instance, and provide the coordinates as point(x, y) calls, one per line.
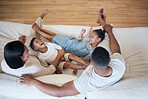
point(71, 45)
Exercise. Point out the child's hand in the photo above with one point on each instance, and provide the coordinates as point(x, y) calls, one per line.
point(61, 53)
point(22, 39)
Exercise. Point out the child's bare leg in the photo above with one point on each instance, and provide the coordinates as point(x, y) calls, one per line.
point(77, 59)
point(45, 12)
point(37, 29)
point(73, 66)
point(48, 32)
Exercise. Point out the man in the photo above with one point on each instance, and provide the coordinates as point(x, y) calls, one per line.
point(103, 71)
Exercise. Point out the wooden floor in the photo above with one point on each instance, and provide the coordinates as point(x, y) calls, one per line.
point(121, 13)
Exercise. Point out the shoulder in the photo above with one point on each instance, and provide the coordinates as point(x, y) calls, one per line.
point(119, 57)
point(3, 64)
point(117, 62)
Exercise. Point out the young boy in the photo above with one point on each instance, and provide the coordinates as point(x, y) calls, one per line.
point(49, 51)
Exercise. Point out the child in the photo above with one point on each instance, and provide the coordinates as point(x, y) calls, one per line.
point(70, 44)
point(49, 51)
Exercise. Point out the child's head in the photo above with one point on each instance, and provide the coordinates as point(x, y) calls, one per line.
point(37, 44)
point(97, 36)
point(100, 58)
point(15, 54)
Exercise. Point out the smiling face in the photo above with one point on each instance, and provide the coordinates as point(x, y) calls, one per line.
point(25, 54)
point(94, 38)
point(38, 44)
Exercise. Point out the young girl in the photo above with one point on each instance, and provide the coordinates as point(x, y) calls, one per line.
point(49, 51)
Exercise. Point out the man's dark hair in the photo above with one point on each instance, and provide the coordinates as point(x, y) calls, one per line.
point(12, 54)
point(31, 43)
point(100, 57)
point(100, 33)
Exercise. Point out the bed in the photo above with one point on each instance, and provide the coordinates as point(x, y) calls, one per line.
point(134, 47)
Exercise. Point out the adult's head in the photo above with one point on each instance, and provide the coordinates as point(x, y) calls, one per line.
point(97, 36)
point(37, 44)
point(100, 58)
point(15, 54)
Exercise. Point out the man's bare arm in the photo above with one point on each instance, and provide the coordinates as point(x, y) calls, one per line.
point(114, 46)
point(67, 89)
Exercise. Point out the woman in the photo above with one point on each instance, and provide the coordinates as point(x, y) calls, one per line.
point(17, 61)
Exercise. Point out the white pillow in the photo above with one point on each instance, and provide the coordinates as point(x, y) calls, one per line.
point(13, 30)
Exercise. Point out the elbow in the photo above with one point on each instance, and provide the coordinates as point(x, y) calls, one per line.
point(117, 51)
point(58, 93)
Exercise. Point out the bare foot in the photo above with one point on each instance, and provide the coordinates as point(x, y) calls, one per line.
point(83, 31)
point(100, 14)
point(45, 12)
point(75, 71)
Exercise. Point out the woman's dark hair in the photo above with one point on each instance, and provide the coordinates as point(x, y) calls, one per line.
point(100, 33)
point(100, 57)
point(12, 54)
point(31, 43)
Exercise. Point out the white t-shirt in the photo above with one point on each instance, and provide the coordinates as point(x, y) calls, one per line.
point(50, 55)
point(90, 81)
point(32, 66)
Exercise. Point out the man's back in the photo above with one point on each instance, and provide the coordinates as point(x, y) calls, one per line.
point(90, 80)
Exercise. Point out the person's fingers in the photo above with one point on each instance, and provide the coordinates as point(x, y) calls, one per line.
point(101, 10)
point(104, 17)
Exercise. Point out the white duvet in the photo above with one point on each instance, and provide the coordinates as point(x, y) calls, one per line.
point(134, 47)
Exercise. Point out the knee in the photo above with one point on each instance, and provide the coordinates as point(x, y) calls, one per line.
point(71, 56)
point(66, 65)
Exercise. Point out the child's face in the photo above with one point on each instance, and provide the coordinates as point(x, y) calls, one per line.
point(38, 44)
point(94, 38)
